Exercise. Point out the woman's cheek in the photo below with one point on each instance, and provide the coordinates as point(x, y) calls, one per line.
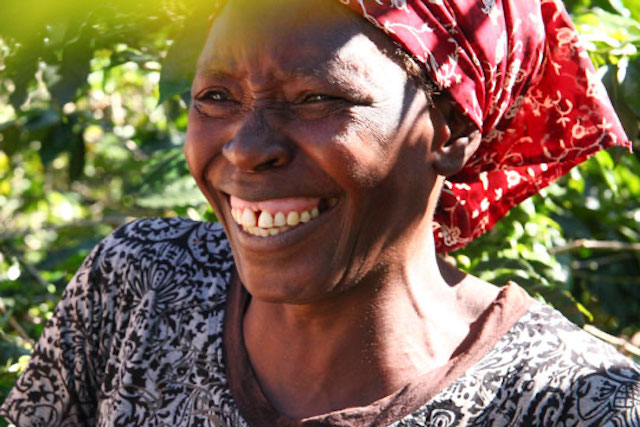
point(203, 142)
point(348, 146)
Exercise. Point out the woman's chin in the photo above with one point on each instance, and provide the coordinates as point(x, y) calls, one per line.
point(278, 287)
point(299, 266)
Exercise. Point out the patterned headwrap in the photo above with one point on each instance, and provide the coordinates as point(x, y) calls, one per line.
point(517, 70)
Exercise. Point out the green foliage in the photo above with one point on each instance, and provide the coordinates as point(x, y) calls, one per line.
point(93, 110)
point(598, 201)
point(84, 144)
point(597, 204)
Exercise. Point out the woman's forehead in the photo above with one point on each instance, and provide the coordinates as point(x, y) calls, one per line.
point(245, 18)
point(303, 38)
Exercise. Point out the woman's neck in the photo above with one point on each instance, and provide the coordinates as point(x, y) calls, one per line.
point(365, 343)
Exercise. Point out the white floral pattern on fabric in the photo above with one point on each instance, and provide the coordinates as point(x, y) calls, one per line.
point(137, 341)
point(518, 71)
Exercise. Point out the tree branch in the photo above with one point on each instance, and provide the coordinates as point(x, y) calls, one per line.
point(33, 272)
point(596, 244)
point(15, 325)
point(620, 343)
point(113, 221)
point(606, 278)
point(595, 263)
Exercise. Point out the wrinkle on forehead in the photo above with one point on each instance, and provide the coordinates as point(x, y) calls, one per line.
point(259, 15)
point(332, 45)
point(348, 66)
point(299, 24)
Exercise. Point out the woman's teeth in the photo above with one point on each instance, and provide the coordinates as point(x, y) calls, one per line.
point(265, 223)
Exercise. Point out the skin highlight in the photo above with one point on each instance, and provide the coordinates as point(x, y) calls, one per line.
point(352, 306)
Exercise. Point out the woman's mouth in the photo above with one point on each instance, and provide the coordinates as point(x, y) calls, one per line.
point(272, 217)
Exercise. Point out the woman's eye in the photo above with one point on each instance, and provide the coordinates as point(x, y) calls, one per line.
point(317, 97)
point(313, 106)
point(215, 96)
point(216, 103)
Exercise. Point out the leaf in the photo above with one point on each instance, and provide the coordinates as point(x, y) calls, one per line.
point(10, 138)
point(60, 139)
point(22, 66)
point(168, 89)
point(37, 120)
point(168, 183)
point(182, 192)
point(619, 7)
point(179, 65)
point(624, 101)
point(633, 6)
point(631, 181)
point(77, 161)
point(69, 257)
point(630, 88)
point(74, 70)
point(608, 28)
point(57, 33)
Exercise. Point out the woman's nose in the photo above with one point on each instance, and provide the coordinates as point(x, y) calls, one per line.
point(258, 146)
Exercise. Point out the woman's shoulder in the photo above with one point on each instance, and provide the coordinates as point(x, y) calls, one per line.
point(544, 371)
point(144, 311)
point(178, 255)
point(206, 241)
point(555, 372)
point(549, 333)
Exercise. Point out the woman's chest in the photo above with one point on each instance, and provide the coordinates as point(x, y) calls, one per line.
point(165, 367)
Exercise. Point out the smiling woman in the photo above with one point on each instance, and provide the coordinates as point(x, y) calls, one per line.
point(337, 174)
point(329, 133)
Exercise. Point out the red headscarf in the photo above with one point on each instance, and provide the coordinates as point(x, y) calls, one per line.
point(518, 71)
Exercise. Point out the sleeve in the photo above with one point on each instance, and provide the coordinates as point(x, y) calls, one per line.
point(59, 385)
point(609, 396)
point(582, 380)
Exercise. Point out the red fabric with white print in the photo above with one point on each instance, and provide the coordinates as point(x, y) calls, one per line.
point(518, 71)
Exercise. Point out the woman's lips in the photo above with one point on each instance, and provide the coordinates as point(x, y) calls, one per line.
point(272, 217)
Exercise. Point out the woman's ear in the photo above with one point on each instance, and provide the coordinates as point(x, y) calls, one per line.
point(455, 139)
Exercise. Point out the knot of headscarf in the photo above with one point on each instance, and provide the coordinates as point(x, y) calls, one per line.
point(517, 70)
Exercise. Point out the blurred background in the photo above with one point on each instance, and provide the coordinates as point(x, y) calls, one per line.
point(93, 111)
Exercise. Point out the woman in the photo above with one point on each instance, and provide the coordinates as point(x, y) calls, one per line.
point(324, 152)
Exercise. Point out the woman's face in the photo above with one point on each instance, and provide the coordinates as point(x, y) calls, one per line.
point(296, 107)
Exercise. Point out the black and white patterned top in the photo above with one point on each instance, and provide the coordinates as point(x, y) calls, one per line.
point(137, 341)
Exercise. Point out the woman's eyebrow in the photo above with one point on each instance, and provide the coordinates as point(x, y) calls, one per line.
point(305, 74)
point(332, 72)
point(220, 71)
point(215, 72)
